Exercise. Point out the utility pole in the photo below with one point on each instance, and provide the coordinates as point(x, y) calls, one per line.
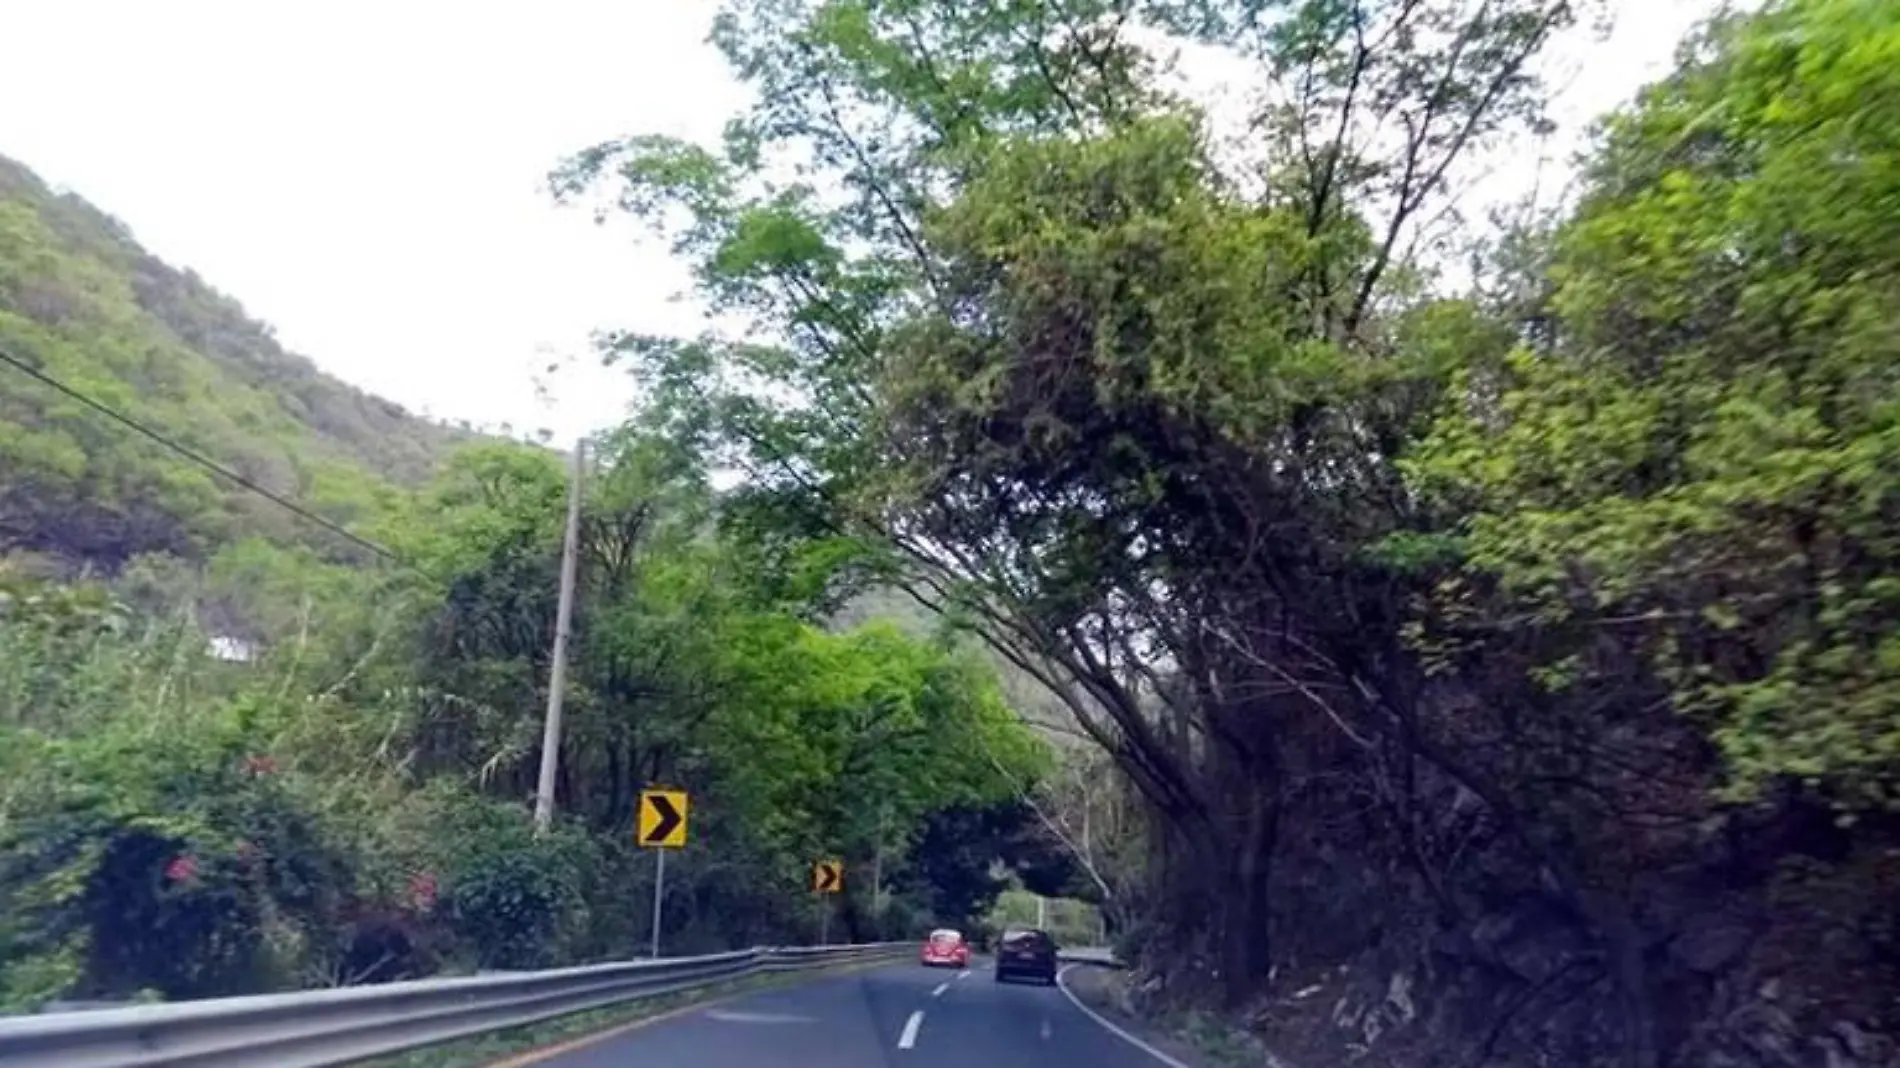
point(877, 868)
point(557, 675)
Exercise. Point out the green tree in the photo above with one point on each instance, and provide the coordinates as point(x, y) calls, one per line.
point(1074, 384)
point(1703, 461)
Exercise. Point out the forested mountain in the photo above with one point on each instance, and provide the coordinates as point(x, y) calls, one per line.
point(82, 302)
point(347, 803)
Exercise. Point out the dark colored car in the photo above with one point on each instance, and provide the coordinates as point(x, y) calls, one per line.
point(1026, 952)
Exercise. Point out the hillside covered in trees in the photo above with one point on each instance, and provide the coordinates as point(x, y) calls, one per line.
point(1501, 663)
point(348, 802)
point(83, 303)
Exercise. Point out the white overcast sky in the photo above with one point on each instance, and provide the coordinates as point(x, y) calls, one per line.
point(367, 177)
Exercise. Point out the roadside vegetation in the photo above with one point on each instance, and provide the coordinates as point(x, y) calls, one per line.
point(1491, 620)
point(241, 751)
point(1415, 636)
point(349, 804)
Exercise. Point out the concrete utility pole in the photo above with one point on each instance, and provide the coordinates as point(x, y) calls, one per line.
point(557, 676)
point(877, 866)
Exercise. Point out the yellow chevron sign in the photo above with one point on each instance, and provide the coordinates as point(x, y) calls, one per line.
point(827, 877)
point(662, 823)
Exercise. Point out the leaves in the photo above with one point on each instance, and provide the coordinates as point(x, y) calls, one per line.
point(1203, 440)
point(386, 732)
point(1709, 446)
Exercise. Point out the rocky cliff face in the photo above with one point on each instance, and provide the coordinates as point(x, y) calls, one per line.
point(1614, 915)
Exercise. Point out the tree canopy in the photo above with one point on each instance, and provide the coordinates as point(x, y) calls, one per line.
point(1532, 600)
point(241, 754)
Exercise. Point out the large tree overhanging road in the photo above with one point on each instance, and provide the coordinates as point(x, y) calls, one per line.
point(897, 1015)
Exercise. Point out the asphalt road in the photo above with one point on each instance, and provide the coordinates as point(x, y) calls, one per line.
point(898, 1016)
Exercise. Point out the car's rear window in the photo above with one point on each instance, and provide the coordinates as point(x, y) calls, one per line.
point(1027, 938)
point(945, 937)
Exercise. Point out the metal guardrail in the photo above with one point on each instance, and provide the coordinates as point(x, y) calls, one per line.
point(314, 1028)
point(1096, 955)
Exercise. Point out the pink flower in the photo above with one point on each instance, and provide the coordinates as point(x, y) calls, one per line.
point(182, 869)
point(422, 891)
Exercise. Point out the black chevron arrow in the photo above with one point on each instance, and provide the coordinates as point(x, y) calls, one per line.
point(827, 877)
point(670, 818)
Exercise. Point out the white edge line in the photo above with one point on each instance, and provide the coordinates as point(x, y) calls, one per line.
point(909, 1037)
point(1109, 1027)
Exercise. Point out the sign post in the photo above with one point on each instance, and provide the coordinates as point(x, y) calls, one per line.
point(661, 826)
point(659, 895)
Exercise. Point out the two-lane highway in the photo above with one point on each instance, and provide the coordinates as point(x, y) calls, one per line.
point(897, 1016)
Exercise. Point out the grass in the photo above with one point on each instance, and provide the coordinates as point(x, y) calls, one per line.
point(488, 1049)
point(1223, 1043)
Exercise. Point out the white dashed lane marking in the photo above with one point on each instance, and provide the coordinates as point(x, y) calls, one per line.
point(909, 1037)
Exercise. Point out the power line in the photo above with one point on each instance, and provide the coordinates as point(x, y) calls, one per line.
point(191, 454)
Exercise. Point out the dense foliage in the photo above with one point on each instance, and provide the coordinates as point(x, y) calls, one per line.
point(83, 303)
point(1533, 634)
point(1712, 456)
point(237, 756)
point(350, 805)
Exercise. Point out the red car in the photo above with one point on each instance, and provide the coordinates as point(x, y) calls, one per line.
point(946, 949)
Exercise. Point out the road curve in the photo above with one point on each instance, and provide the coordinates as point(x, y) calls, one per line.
point(897, 1016)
